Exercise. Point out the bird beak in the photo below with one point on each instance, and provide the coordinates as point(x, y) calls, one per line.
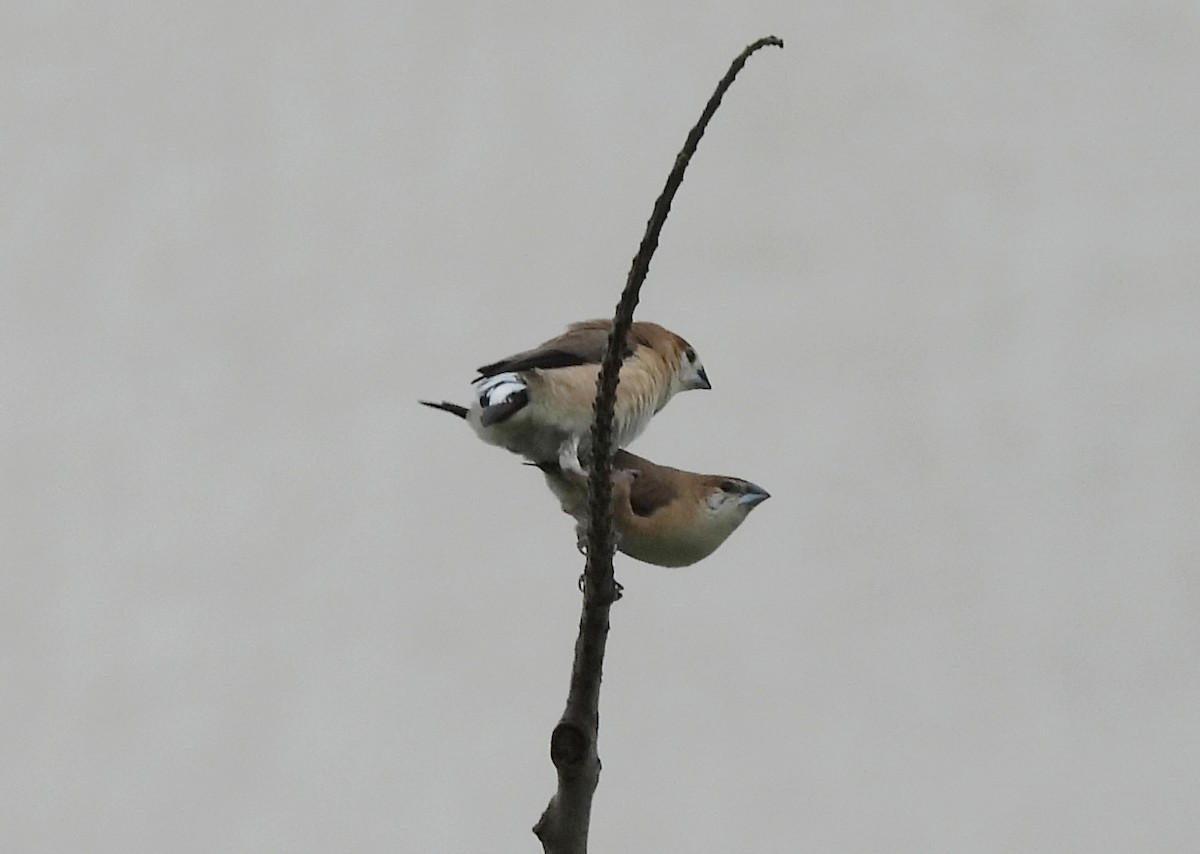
point(754, 495)
point(701, 380)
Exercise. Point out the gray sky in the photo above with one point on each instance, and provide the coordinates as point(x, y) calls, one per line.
point(941, 260)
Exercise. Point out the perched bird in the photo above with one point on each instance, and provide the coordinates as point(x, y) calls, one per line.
point(661, 515)
point(538, 403)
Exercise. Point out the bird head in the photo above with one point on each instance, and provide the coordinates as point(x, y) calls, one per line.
point(690, 373)
point(711, 508)
point(675, 356)
point(728, 500)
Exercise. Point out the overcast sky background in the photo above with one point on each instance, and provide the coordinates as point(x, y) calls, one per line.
point(942, 260)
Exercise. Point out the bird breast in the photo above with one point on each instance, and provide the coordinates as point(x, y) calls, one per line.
point(564, 396)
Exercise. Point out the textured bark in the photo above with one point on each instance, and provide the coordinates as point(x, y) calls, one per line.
point(563, 827)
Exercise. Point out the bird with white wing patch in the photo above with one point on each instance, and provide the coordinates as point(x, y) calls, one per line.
point(538, 403)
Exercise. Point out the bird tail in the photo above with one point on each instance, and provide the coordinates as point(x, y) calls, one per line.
point(452, 408)
point(499, 397)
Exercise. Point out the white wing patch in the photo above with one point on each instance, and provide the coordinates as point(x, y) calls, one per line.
point(494, 391)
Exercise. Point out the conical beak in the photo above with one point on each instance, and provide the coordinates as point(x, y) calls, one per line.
point(754, 495)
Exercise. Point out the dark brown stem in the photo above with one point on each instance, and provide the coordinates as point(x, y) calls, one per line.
point(563, 827)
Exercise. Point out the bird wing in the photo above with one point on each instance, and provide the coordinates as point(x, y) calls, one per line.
point(582, 344)
point(652, 489)
point(648, 496)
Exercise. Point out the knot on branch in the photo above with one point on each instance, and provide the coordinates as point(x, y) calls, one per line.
point(569, 746)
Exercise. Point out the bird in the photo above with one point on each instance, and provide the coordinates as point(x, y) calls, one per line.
point(538, 403)
point(661, 515)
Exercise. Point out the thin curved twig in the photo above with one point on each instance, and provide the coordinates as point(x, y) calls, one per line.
point(563, 827)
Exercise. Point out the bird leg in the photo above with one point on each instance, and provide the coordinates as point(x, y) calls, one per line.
point(622, 480)
point(581, 536)
point(581, 540)
point(568, 457)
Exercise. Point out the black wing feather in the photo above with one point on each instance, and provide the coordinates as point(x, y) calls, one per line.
point(582, 344)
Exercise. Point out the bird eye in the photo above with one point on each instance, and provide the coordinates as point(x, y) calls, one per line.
point(728, 486)
point(690, 354)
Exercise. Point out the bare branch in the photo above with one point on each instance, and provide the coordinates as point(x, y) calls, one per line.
point(563, 827)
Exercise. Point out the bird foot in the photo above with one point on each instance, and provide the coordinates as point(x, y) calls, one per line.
point(581, 537)
point(618, 587)
point(622, 477)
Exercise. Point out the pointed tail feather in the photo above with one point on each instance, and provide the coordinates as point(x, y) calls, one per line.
point(452, 408)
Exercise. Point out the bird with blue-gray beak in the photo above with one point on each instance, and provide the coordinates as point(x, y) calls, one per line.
point(538, 403)
point(661, 515)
